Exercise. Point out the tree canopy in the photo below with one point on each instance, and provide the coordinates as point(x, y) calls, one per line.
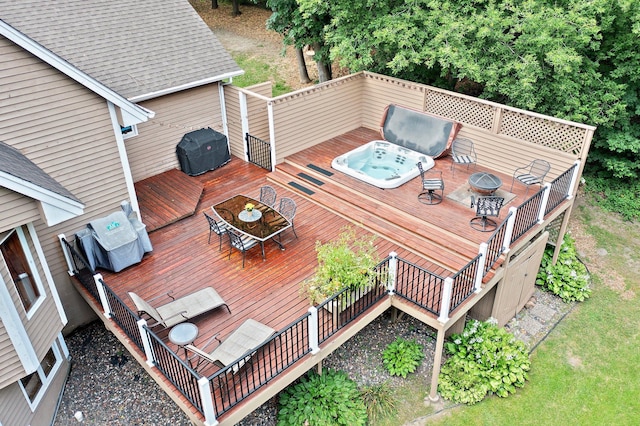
point(573, 59)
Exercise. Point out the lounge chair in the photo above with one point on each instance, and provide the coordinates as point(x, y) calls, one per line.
point(244, 340)
point(181, 309)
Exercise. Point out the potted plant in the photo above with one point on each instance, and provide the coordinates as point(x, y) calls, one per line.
point(346, 262)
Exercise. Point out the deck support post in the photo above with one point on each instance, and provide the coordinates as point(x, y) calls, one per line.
point(446, 300)
point(97, 278)
point(545, 201)
point(145, 342)
point(481, 264)
point(207, 402)
point(437, 360)
point(67, 255)
point(574, 179)
point(313, 330)
point(506, 244)
point(393, 272)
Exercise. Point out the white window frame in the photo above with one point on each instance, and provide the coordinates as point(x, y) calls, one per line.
point(34, 271)
point(45, 380)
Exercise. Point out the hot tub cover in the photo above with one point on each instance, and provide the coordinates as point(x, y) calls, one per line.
point(419, 131)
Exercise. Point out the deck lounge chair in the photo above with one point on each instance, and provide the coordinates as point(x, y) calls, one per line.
point(181, 309)
point(244, 340)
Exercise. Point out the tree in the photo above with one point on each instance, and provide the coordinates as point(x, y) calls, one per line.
point(300, 30)
point(575, 59)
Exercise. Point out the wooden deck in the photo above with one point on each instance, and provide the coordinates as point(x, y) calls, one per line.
point(437, 237)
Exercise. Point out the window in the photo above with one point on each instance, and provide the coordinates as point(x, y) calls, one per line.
point(36, 383)
point(19, 261)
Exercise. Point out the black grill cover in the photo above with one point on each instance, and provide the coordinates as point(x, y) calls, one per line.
point(202, 150)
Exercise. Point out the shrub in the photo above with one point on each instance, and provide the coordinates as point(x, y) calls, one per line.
point(346, 262)
point(402, 357)
point(379, 401)
point(568, 278)
point(484, 358)
point(615, 195)
point(327, 399)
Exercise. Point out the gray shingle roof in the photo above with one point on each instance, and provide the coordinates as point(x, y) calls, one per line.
point(14, 163)
point(136, 48)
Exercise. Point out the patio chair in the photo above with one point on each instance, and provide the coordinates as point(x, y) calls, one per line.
point(268, 196)
point(242, 242)
point(287, 209)
point(531, 174)
point(432, 183)
point(485, 207)
point(218, 227)
point(463, 152)
point(180, 309)
point(236, 349)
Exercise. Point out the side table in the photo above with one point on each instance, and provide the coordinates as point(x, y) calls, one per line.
point(183, 334)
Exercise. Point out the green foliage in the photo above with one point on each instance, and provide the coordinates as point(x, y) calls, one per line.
point(402, 357)
point(257, 71)
point(484, 359)
point(322, 400)
point(568, 278)
point(346, 262)
point(379, 401)
point(615, 195)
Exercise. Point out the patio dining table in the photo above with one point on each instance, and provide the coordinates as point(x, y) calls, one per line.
point(263, 223)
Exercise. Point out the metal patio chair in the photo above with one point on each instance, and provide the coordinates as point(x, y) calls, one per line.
point(287, 209)
point(242, 243)
point(432, 186)
point(486, 207)
point(531, 174)
point(268, 195)
point(463, 152)
point(216, 226)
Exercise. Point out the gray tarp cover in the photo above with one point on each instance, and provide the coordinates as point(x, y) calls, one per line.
point(418, 131)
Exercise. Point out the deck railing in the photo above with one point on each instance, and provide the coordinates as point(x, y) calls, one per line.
point(126, 319)
point(495, 244)
point(527, 215)
point(347, 305)
point(464, 283)
point(419, 286)
point(560, 189)
point(81, 269)
point(251, 371)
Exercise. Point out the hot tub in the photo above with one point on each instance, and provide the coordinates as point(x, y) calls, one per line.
point(382, 164)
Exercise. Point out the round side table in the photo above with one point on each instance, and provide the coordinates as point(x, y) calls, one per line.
point(183, 334)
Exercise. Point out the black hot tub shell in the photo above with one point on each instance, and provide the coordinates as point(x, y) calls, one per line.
point(202, 150)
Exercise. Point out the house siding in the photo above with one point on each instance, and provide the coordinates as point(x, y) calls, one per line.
point(153, 151)
point(234, 121)
point(70, 136)
point(16, 209)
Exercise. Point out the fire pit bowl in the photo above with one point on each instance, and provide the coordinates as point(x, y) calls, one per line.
point(484, 183)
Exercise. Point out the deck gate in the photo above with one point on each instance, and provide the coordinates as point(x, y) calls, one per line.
point(258, 152)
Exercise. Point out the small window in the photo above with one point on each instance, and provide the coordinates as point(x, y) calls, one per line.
point(129, 131)
point(13, 252)
point(36, 383)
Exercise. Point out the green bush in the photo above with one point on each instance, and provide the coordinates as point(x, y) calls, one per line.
point(484, 359)
point(327, 399)
point(379, 401)
point(402, 357)
point(568, 278)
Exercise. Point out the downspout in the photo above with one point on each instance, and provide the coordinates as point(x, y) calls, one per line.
point(124, 160)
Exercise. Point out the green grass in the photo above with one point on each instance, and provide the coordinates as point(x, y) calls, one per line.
point(586, 372)
point(257, 71)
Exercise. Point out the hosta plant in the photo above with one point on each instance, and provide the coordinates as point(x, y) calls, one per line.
point(402, 357)
point(568, 278)
point(484, 359)
point(330, 398)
